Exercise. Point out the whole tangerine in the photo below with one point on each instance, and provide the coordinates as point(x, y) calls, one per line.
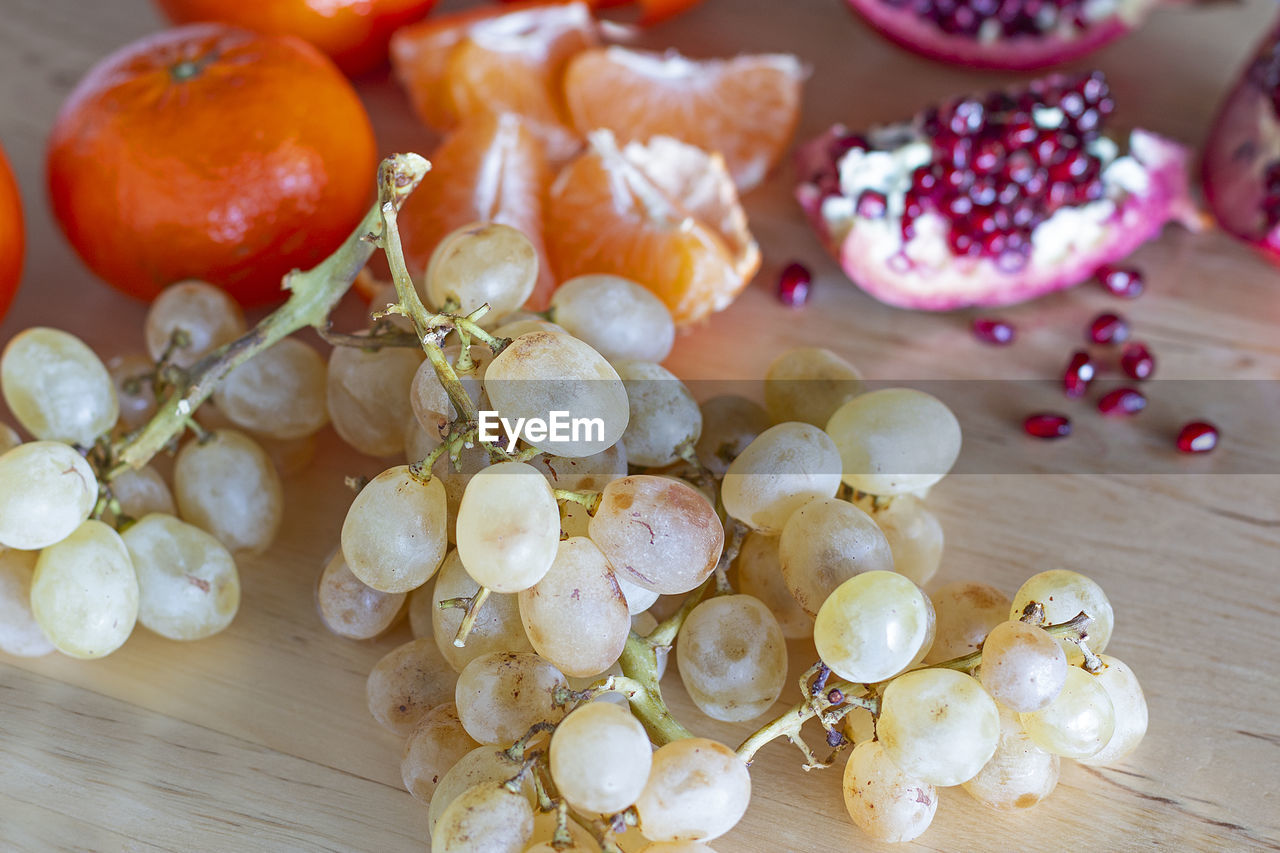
point(210, 152)
point(354, 33)
point(11, 235)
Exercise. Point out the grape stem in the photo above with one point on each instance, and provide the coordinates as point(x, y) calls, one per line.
point(586, 497)
point(469, 619)
point(313, 295)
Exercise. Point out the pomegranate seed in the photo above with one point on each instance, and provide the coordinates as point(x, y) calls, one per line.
point(1198, 437)
point(1122, 402)
point(992, 331)
point(1079, 373)
point(1108, 329)
point(793, 285)
point(872, 205)
point(1124, 282)
point(1136, 360)
point(1047, 425)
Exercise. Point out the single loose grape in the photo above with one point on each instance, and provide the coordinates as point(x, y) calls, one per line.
point(482, 264)
point(1019, 774)
point(188, 586)
point(406, 683)
point(583, 473)
point(1078, 723)
point(665, 419)
point(508, 527)
point(280, 392)
point(20, 634)
point(435, 745)
point(697, 789)
point(576, 616)
point(132, 375)
point(729, 424)
point(600, 758)
point(883, 801)
point(228, 486)
point(1023, 668)
point(205, 316)
point(57, 388)
point(1064, 594)
point(1130, 707)
point(966, 611)
point(733, 657)
point(393, 535)
point(558, 379)
point(141, 492)
point(481, 765)
point(913, 532)
point(808, 384)
point(660, 534)
point(784, 468)
point(367, 394)
point(760, 575)
point(823, 544)
point(895, 440)
point(497, 627)
point(873, 626)
point(617, 317)
point(351, 608)
point(938, 725)
point(84, 592)
point(501, 695)
point(484, 819)
point(46, 491)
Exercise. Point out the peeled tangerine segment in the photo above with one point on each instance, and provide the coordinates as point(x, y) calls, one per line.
point(46, 491)
point(84, 592)
point(393, 537)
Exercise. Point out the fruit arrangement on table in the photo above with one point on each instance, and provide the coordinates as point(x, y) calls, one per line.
point(582, 211)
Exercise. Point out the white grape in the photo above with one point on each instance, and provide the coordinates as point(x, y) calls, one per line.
point(56, 386)
point(913, 532)
point(206, 316)
point(1078, 723)
point(141, 492)
point(484, 764)
point(46, 491)
point(20, 634)
point(435, 745)
point(619, 318)
point(497, 627)
point(965, 611)
point(508, 527)
point(393, 535)
point(824, 543)
point(228, 486)
point(501, 695)
point(938, 725)
point(697, 789)
point(484, 819)
point(882, 800)
point(808, 384)
point(131, 373)
point(1064, 594)
point(600, 758)
point(732, 657)
point(84, 592)
point(1019, 774)
point(895, 440)
point(280, 392)
point(584, 473)
point(665, 419)
point(873, 626)
point(1130, 707)
point(406, 683)
point(367, 395)
point(760, 575)
point(729, 424)
point(483, 263)
point(785, 467)
point(351, 608)
point(1023, 668)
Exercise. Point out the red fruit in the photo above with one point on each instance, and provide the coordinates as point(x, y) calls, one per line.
point(1016, 34)
point(1136, 360)
point(1122, 402)
point(1108, 329)
point(1079, 373)
point(991, 200)
point(1047, 425)
point(992, 331)
point(1124, 282)
point(1198, 437)
point(793, 285)
point(1241, 167)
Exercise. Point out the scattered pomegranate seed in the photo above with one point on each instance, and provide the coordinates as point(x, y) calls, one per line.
point(1122, 402)
point(1079, 373)
point(1108, 329)
point(793, 285)
point(1198, 437)
point(992, 331)
point(1047, 425)
point(1124, 282)
point(1136, 361)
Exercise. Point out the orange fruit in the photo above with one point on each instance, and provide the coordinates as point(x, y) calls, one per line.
point(491, 169)
point(494, 61)
point(664, 213)
point(746, 108)
point(651, 11)
point(210, 152)
point(354, 33)
point(11, 235)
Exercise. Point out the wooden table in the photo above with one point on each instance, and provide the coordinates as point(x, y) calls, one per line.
point(259, 739)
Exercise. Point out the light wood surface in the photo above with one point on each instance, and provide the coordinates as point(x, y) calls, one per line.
point(258, 739)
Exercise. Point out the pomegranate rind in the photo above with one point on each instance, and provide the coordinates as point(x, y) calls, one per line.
point(965, 282)
point(1244, 139)
point(905, 28)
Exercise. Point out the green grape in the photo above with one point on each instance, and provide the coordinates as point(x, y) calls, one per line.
point(808, 384)
point(895, 440)
point(84, 593)
point(938, 725)
point(46, 491)
point(600, 758)
point(56, 387)
point(784, 468)
point(482, 264)
point(1078, 723)
point(882, 800)
point(823, 544)
point(393, 535)
point(619, 318)
point(733, 657)
point(406, 683)
point(508, 527)
point(873, 626)
point(697, 789)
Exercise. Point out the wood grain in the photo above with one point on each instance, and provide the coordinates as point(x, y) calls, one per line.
point(258, 739)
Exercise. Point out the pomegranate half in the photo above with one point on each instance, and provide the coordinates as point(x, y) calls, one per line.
point(1011, 34)
point(1241, 166)
point(991, 200)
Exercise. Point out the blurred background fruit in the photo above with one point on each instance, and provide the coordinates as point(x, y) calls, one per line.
point(354, 33)
point(210, 152)
point(11, 234)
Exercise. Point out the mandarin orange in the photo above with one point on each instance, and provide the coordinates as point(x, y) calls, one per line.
point(12, 234)
point(210, 152)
